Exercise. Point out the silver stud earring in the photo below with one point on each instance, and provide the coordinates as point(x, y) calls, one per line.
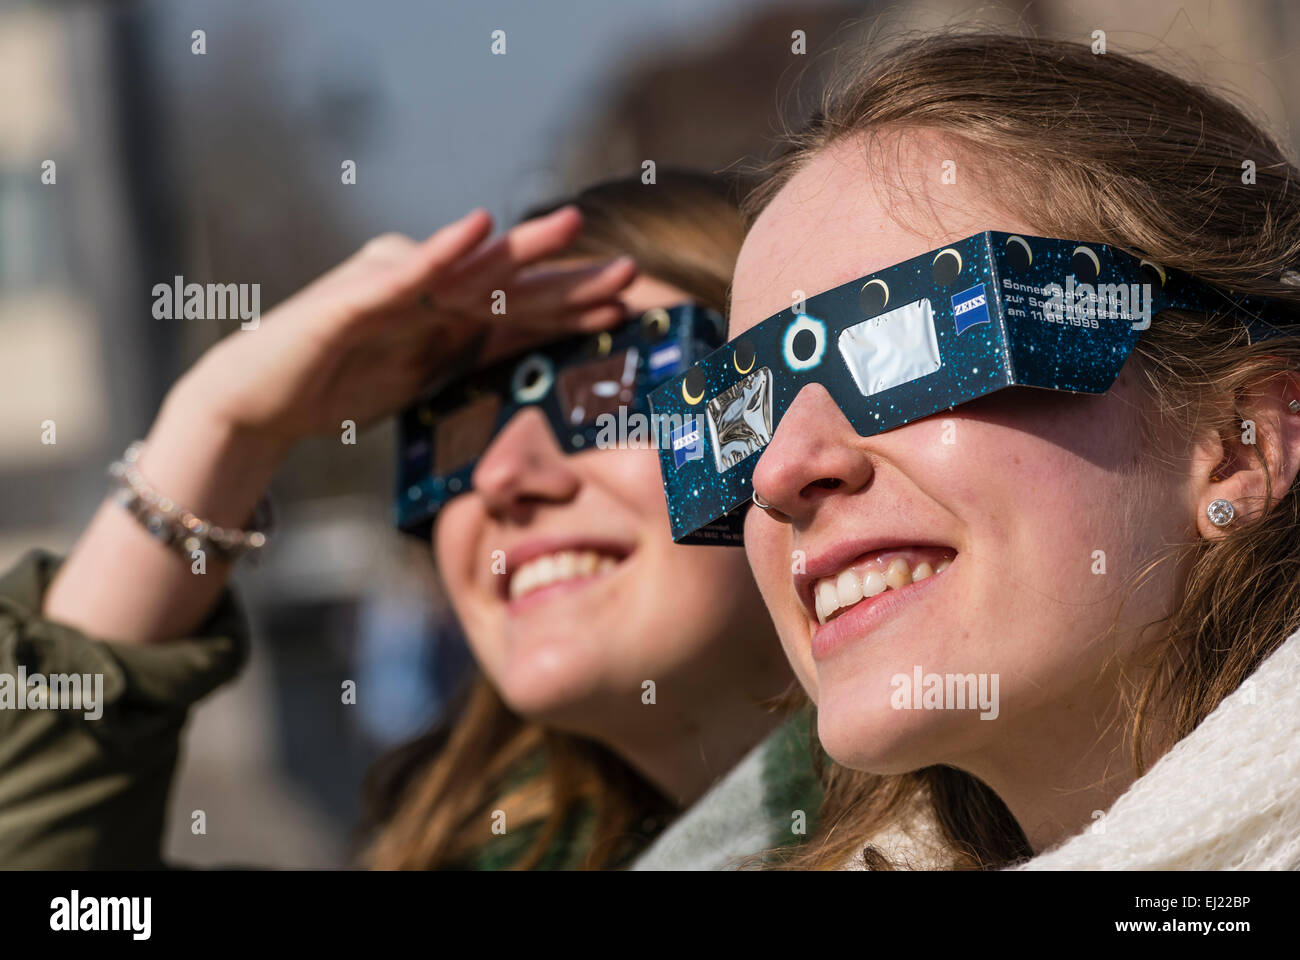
point(1294, 406)
point(1220, 512)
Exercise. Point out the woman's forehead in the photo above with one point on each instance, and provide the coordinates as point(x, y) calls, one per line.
point(845, 214)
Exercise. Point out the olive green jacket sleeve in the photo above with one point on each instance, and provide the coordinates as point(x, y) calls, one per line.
point(79, 791)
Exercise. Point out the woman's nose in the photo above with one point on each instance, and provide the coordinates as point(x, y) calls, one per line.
point(814, 452)
point(524, 466)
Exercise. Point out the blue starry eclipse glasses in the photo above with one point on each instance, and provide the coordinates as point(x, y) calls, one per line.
point(573, 382)
point(991, 311)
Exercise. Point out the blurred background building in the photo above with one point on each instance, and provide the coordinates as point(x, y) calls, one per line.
point(127, 158)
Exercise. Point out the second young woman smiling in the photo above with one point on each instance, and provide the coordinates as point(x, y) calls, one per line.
point(577, 654)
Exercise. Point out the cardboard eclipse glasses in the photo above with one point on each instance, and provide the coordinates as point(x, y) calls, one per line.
point(572, 382)
point(991, 311)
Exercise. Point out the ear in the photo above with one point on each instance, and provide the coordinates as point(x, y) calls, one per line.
point(1262, 457)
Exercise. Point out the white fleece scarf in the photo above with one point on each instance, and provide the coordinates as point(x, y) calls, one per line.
point(1225, 797)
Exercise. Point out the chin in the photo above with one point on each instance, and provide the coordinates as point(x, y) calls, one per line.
point(549, 679)
point(867, 733)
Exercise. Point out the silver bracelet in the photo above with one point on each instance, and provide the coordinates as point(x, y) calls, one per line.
point(177, 527)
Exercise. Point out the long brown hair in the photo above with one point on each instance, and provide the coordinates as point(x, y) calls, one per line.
point(430, 803)
point(1109, 149)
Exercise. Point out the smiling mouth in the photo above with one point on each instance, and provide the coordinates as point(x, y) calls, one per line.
point(869, 577)
point(559, 567)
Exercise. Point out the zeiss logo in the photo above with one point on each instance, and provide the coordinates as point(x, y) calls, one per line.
point(970, 307)
point(688, 444)
point(665, 360)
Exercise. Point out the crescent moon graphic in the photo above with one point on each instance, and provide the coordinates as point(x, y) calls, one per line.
point(686, 395)
point(883, 286)
point(955, 253)
point(1160, 271)
point(657, 320)
point(735, 362)
point(1021, 241)
point(1091, 255)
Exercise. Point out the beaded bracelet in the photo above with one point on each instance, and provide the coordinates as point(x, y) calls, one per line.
point(177, 527)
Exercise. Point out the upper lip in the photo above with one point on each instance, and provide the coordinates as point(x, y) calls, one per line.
point(521, 553)
point(836, 557)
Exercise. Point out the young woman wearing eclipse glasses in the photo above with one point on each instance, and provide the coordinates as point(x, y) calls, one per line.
point(619, 675)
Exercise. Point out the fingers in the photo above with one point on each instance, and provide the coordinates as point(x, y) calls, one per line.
point(387, 246)
point(386, 278)
point(596, 318)
point(460, 257)
point(401, 338)
point(420, 269)
point(497, 262)
point(506, 341)
point(554, 295)
point(393, 271)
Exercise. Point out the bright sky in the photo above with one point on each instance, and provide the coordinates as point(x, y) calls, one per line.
point(487, 127)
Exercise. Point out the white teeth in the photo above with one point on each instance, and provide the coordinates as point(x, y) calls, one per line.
point(831, 594)
point(553, 568)
point(848, 588)
point(522, 581)
point(828, 596)
point(873, 583)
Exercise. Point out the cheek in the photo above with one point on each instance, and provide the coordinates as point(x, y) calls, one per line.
point(1057, 520)
point(1062, 467)
point(630, 476)
point(702, 597)
point(772, 560)
point(454, 534)
point(457, 534)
